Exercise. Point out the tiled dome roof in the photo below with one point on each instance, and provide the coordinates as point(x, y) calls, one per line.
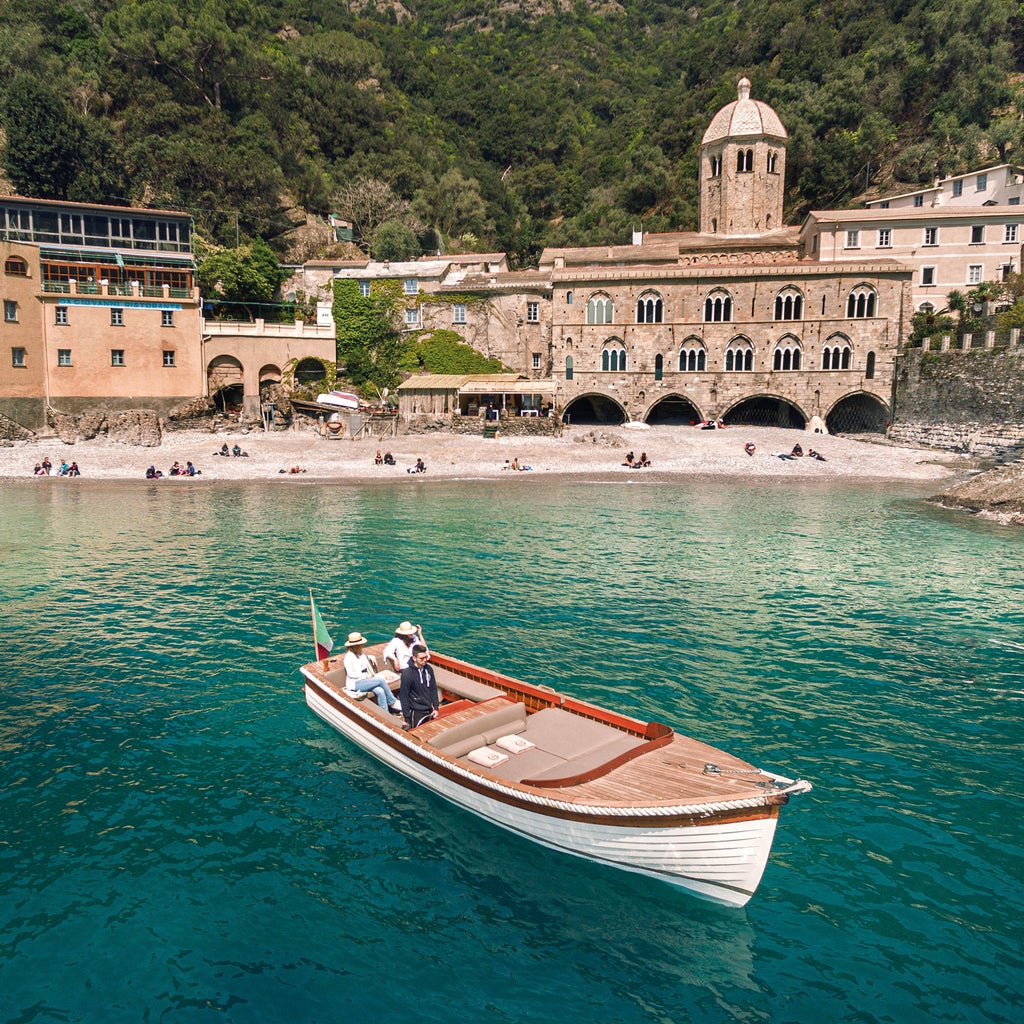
point(744, 116)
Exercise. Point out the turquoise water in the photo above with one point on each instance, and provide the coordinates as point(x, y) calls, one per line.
point(182, 840)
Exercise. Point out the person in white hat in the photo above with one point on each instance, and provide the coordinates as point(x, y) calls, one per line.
point(362, 678)
point(399, 649)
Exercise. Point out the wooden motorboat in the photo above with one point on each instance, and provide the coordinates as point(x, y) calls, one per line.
point(575, 777)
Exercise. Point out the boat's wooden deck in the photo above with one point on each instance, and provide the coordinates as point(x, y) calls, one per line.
point(671, 774)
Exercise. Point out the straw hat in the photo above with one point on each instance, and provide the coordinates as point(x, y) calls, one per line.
point(406, 628)
point(355, 640)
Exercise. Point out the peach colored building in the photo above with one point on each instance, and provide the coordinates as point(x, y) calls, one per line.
point(100, 308)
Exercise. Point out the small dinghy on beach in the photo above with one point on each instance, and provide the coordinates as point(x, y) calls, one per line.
point(574, 776)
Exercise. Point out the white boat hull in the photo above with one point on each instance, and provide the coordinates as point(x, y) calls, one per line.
point(721, 860)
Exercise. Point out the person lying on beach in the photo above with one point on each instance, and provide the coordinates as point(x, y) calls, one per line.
point(750, 447)
point(812, 454)
point(784, 456)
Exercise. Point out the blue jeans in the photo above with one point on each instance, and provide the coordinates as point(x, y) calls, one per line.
point(378, 687)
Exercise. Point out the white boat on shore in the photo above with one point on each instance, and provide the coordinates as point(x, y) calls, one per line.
point(338, 400)
point(575, 777)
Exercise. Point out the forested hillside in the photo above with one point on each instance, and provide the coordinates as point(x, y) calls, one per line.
point(482, 124)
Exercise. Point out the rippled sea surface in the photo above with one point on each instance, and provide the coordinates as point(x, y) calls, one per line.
point(182, 840)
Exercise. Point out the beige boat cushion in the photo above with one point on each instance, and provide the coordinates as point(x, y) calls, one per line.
point(462, 738)
point(466, 688)
point(570, 736)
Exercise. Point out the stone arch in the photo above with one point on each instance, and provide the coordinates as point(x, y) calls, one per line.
point(858, 413)
point(766, 411)
point(673, 410)
point(310, 370)
point(595, 409)
point(270, 374)
point(225, 382)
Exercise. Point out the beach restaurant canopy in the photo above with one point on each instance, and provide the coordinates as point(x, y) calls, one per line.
point(441, 394)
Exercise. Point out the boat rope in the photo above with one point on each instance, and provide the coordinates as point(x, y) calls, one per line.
point(713, 769)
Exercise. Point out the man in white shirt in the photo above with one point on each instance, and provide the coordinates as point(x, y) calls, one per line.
point(361, 675)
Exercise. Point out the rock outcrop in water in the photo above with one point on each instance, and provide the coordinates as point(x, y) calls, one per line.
point(998, 494)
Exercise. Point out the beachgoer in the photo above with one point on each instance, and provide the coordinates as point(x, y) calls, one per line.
point(812, 454)
point(399, 648)
point(643, 460)
point(418, 692)
point(378, 459)
point(750, 447)
point(420, 467)
point(784, 456)
point(64, 467)
point(47, 464)
point(39, 471)
point(361, 676)
point(389, 459)
point(73, 470)
point(224, 450)
point(797, 452)
point(237, 451)
point(191, 470)
point(151, 473)
point(629, 460)
point(176, 470)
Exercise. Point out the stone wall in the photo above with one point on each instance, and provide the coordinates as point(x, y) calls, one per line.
point(961, 400)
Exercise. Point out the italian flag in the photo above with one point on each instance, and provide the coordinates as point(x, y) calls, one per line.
point(321, 636)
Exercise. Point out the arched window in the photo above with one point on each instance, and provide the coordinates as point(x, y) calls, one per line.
point(718, 307)
point(16, 265)
point(772, 161)
point(568, 298)
point(568, 367)
point(861, 303)
point(869, 369)
point(745, 160)
point(613, 356)
point(836, 354)
point(789, 305)
point(649, 309)
point(739, 356)
point(716, 167)
point(787, 354)
point(659, 367)
point(600, 310)
point(693, 357)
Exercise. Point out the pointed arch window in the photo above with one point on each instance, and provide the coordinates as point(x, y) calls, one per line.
point(649, 309)
point(600, 310)
point(693, 357)
point(861, 303)
point(613, 356)
point(739, 356)
point(787, 354)
point(837, 353)
point(718, 307)
point(789, 304)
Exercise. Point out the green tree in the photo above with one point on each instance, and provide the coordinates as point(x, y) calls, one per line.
point(248, 276)
point(394, 241)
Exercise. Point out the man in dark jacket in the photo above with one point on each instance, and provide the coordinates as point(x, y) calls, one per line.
point(418, 693)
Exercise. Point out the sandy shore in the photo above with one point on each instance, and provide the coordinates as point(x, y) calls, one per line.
point(579, 452)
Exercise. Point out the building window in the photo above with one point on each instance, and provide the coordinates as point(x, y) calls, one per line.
point(885, 238)
point(884, 204)
point(739, 356)
point(919, 200)
point(412, 316)
point(789, 305)
point(600, 310)
point(716, 167)
point(974, 273)
point(931, 236)
point(166, 317)
point(977, 234)
point(1011, 233)
point(61, 315)
point(787, 355)
point(10, 311)
point(117, 357)
point(718, 308)
point(692, 357)
point(613, 356)
point(536, 360)
point(568, 367)
point(15, 264)
point(853, 239)
point(568, 298)
point(412, 287)
point(168, 357)
point(117, 318)
point(745, 160)
point(364, 289)
point(459, 313)
point(63, 357)
point(869, 367)
point(927, 276)
point(649, 309)
point(533, 312)
point(861, 303)
point(836, 354)
point(659, 367)
point(958, 188)
point(17, 357)
point(773, 163)
point(1013, 201)
point(982, 182)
